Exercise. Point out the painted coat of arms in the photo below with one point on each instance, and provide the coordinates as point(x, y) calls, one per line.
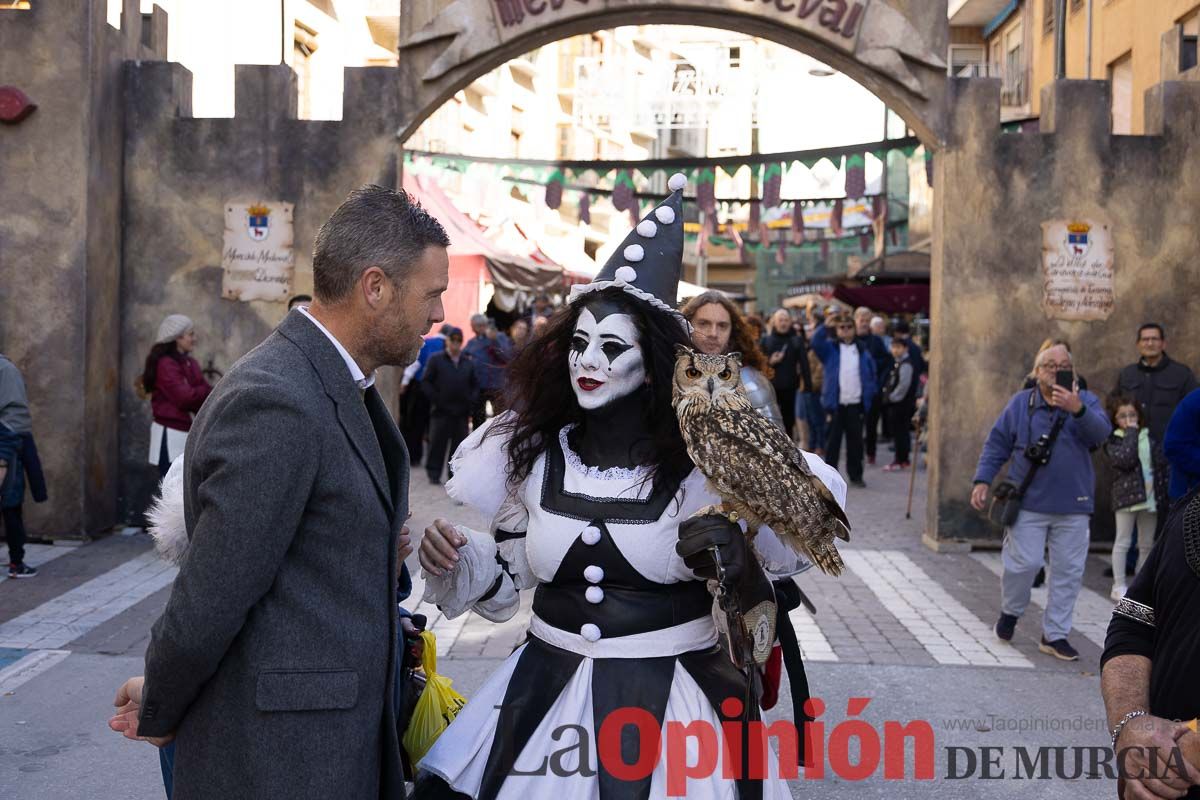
point(258, 222)
point(1077, 269)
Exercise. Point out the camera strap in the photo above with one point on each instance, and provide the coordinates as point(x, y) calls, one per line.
point(1059, 420)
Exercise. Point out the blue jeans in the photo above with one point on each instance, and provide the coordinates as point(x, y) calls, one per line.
point(166, 762)
point(808, 407)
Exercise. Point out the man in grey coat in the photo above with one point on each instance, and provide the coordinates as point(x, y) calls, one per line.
point(272, 664)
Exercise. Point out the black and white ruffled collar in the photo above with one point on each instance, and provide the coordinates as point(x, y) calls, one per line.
point(611, 474)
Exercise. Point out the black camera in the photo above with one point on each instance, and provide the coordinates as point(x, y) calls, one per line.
point(1039, 451)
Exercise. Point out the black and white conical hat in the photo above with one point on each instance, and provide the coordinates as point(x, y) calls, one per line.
point(647, 264)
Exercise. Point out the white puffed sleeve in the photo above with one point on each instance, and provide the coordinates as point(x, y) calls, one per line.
point(779, 560)
point(492, 569)
point(480, 470)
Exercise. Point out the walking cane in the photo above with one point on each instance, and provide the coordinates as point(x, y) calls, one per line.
point(912, 479)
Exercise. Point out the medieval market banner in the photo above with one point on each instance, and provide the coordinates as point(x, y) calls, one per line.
point(258, 259)
point(1077, 269)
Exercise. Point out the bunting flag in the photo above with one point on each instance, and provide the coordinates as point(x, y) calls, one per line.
point(706, 199)
point(585, 208)
point(739, 243)
point(781, 251)
point(755, 215)
point(835, 218)
point(554, 190)
point(772, 181)
point(856, 175)
point(797, 223)
point(623, 192)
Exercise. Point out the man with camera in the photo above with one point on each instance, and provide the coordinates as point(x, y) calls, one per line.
point(1047, 432)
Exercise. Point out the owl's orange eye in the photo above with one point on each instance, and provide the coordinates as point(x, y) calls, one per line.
point(725, 375)
point(692, 373)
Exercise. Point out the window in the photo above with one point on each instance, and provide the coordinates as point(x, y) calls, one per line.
point(1120, 79)
point(966, 60)
point(1188, 56)
point(1014, 91)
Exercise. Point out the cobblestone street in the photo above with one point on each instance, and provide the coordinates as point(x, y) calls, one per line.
point(905, 627)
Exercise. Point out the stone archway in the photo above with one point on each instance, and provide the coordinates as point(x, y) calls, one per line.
point(892, 47)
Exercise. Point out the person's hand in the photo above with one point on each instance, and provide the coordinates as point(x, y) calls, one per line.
point(404, 545)
point(1068, 401)
point(1146, 744)
point(129, 705)
point(776, 357)
point(698, 534)
point(410, 630)
point(979, 496)
point(439, 548)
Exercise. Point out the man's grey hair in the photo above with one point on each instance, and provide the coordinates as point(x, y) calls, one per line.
point(478, 319)
point(373, 227)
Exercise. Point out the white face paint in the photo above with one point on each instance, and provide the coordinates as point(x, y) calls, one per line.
point(605, 360)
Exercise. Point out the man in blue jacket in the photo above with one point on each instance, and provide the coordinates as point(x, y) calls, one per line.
point(1056, 506)
point(850, 386)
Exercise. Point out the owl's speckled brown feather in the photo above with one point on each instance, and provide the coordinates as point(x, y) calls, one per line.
point(752, 464)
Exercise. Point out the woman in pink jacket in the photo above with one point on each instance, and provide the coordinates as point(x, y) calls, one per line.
point(177, 389)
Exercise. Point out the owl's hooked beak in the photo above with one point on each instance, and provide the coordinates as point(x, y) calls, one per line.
point(712, 385)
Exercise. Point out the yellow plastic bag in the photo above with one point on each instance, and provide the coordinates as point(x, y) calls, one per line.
point(436, 708)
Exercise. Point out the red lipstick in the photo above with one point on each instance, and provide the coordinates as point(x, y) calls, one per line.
point(589, 384)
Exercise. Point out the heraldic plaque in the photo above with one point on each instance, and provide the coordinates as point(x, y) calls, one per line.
point(1077, 269)
point(257, 257)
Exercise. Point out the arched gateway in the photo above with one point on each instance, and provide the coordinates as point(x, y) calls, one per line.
point(893, 47)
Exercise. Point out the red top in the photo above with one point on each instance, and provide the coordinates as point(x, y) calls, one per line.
point(179, 391)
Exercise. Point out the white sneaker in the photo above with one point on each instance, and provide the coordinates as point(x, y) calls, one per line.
point(1118, 591)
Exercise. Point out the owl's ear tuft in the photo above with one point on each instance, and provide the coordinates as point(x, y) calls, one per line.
point(735, 358)
point(683, 350)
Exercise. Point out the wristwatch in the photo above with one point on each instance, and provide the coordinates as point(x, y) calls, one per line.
point(1125, 720)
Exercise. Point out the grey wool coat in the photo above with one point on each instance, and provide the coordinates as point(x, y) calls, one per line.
point(273, 659)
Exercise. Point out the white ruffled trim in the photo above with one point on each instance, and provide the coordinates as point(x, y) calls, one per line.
point(580, 289)
point(611, 474)
point(165, 518)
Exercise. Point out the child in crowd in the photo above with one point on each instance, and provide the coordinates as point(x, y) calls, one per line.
point(1139, 467)
point(900, 397)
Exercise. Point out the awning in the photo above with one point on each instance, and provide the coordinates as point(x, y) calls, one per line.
point(512, 274)
point(896, 298)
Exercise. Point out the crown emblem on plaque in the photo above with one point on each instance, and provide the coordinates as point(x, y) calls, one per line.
point(258, 221)
point(1079, 227)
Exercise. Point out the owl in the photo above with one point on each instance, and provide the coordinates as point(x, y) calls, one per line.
point(750, 463)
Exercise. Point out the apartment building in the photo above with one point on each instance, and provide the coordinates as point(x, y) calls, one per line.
point(1132, 43)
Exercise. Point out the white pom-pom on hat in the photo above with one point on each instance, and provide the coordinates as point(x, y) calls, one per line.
point(677, 182)
point(646, 228)
point(665, 214)
point(627, 274)
point(634, 252)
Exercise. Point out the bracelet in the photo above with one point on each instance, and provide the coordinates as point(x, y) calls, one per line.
point(1125, 720)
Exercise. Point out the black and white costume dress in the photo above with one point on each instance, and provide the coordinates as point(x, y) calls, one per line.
point(618, 621)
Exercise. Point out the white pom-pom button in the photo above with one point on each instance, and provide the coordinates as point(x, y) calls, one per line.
point(635, 252)
point(677, 182)
point(590, 535)
point(593, 574)
point(665, 214)
point(590, 632)
point(627, 274)
point(646, 228)
point(594, 594)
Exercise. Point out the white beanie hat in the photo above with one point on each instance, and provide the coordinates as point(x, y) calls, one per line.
point(172, 328)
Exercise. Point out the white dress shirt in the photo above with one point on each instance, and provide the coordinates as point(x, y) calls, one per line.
point(849, 379)
point(363, 382)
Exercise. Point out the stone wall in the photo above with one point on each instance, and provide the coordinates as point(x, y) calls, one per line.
point(180, 172)
point(60, 245)
point(994, 191)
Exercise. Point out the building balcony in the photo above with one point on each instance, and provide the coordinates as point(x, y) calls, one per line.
point(975, 13)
